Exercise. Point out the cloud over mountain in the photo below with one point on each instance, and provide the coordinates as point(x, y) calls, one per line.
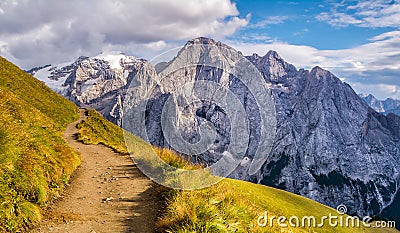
point(369, 13)
point(57, 30)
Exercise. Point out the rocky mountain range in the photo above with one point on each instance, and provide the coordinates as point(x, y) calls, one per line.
point(96, 82)
point(329, 145)
point(385, 107)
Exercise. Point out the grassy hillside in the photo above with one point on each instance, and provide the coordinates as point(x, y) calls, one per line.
point(35, 162)
point(229, 206)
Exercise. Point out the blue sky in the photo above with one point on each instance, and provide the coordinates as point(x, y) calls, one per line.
point(359, 41)
point(296, 22)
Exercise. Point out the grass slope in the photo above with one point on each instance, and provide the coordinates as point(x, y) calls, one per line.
point(229, 206)
point(35, 161)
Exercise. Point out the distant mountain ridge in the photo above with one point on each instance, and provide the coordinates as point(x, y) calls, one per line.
point(386, 106)
point(330, 145)
point(96, 82)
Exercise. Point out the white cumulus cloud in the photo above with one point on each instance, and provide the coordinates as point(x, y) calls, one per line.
point(60, 30)
point(366, 13)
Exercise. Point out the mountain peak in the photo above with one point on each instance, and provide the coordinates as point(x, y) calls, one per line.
point(273, 54)
point(204, 41)
point(272, 66)
point(255, 56)
point(320, 72)
point(201, 40)
point(386, 106)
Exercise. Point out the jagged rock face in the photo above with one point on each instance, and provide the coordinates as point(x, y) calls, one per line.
point(210, 61)
point(272, 66)
point(328, 145)
point(97, 82)
point(383, 106)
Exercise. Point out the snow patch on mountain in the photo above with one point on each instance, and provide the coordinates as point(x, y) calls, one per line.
point(54, 76)
point(116, 59)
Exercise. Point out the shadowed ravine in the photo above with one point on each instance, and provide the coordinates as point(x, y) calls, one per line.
point(108, 193)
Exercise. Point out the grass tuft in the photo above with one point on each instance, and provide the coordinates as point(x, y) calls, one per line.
point(173, 159)
point(97, 130)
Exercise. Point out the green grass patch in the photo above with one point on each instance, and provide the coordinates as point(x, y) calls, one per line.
point(35, 161)
point(97, 130)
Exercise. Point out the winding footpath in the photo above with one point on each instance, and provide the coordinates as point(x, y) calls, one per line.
point(107, 193)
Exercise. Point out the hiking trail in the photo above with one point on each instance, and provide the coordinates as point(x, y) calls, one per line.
point(107, 193)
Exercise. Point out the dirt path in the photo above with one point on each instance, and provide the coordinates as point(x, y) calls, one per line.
point(107, 194)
